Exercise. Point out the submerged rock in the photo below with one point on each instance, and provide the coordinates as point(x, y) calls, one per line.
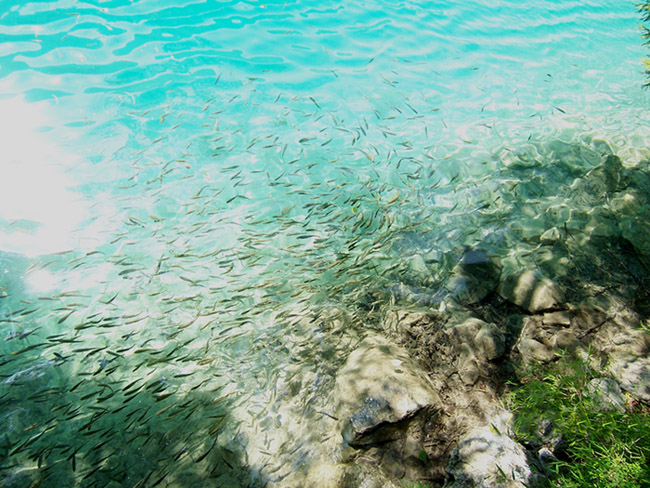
point(417, 295)
point(530, 290)
point(609, 172)
point(602, 180)
point(626, 203)
point(550, 236)
point(473, 278)
point(602, 222)
point(636, 230)
point(418, 271)
point(530, 228)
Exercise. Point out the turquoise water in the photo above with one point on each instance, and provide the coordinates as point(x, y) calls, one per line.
point(205, 206)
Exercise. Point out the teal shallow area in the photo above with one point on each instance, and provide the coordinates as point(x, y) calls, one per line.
point(204, 206)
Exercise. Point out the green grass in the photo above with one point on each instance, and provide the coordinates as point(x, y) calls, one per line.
point(604, 449)
point(417, 484)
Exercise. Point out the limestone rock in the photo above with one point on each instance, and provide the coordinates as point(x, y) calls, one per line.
point(588, 192)
point(627, 341)
point(485, 340)
point(364, 476)
point(473, 278)
point(627, 203)
point(566, 339)
point(476, 342)
point(417, 295)
point(607, 394)
point(468, 368)
point(562, 318)
point(609, 173)
point(326, 475)
point(531, 349)
point(465, 332)
point(571, 157)
point(378, 387)
point(538, 342)
point(602, 223)
point(605, 178)
point(460, 290)
point(480, 457)
point(531, 228)
point(557, 214)
point(636, 230)
point(633, 374)
point(418, 270)
point(530, 290)
point(410, 322)
point(490, 342)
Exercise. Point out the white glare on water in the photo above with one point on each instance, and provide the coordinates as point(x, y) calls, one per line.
point(39, 209)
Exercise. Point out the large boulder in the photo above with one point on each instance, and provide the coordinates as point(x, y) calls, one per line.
point(379, 389)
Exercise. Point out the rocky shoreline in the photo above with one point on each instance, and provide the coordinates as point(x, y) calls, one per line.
point(422, 398)
point(393, 366)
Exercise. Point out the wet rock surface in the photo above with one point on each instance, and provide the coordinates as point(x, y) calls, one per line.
point(473, 278)
point(567, 279)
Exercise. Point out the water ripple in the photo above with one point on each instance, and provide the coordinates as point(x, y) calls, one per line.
point(227, 184)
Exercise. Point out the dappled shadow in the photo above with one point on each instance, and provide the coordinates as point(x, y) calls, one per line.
point(570, 225)
point(100, 432)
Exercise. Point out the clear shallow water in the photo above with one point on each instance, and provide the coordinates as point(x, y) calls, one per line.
point(204, 207)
